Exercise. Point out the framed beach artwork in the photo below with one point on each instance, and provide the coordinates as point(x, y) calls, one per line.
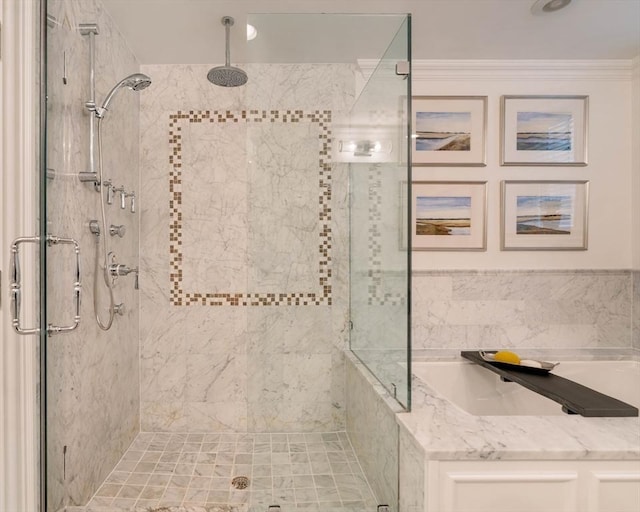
point(449, 130)
point(544, 215)
point(544, 130)
point(448, 215)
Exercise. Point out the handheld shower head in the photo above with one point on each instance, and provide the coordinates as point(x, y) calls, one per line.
point(227, 75)
point(135, 82)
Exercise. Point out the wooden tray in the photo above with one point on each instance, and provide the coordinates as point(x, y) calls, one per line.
point(574, 398)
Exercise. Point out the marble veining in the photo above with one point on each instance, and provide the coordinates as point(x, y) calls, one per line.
point(167, 472)
point(252, 216)
point(372, 428)
point(93, 399)
point(446, 432)
point(523, 309)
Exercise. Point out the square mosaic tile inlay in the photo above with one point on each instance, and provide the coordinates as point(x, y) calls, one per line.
point(302, 471)
point(322, 290)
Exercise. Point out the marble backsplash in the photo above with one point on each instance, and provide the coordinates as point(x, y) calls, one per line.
point(583, 309)
point(244, 270)
point(93, 375)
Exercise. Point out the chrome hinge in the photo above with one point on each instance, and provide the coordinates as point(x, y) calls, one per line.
point(403, 68)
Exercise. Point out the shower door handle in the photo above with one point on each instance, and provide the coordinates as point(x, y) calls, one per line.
point(77, 286)
point(16, 283)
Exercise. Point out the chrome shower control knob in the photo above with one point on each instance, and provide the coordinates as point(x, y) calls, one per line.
point(117, 230)
point(94, 227)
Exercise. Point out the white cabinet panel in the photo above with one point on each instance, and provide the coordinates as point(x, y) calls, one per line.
point(614, 491)
point(532, 486)
point(508, 491)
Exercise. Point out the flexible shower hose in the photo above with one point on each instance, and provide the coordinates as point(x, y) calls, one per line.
point(105, 274)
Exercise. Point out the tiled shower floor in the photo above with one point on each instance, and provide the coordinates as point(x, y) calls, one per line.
point(313, 472)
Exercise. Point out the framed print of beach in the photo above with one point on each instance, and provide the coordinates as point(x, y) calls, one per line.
point(449, 130)
point(449, 215)
point(544, 130)
point(544, 215)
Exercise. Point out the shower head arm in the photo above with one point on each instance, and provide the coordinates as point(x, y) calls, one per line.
point(227, 21)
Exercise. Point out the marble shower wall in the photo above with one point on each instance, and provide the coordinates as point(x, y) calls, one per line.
point(523, 309)
point(93, 375)
point(373, 431)
point(244, 261)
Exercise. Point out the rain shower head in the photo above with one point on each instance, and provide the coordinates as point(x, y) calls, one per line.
point(135, 82)
point(227, 75)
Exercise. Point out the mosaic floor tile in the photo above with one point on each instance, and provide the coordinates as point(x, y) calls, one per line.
point(165, 472)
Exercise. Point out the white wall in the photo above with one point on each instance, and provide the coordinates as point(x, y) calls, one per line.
point(609, 171)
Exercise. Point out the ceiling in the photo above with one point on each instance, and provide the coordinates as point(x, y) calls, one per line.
point(189, 31)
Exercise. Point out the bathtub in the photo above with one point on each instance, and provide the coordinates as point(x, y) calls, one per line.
point(480, 392)
point(472, 442)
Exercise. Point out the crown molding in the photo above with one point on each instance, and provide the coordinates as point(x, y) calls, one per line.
point(431, 70)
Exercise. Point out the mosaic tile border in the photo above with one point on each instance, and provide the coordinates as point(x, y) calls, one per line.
point(178, 296)
point(376, 273)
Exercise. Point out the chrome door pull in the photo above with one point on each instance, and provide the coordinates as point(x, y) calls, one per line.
point(16, 283)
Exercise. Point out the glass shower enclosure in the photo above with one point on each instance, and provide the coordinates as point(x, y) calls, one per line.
point(380, 179)
point(252, 236)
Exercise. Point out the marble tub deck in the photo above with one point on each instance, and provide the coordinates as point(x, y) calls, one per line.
point(446, 432)
point(167, 472)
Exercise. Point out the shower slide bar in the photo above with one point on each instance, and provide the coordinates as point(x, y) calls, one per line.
point(16, 284)
point(91, 31)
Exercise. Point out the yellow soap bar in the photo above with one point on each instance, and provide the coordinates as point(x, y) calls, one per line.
point(505, 356)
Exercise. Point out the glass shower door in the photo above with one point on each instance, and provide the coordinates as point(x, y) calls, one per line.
point(380, 177)
point(92, 408)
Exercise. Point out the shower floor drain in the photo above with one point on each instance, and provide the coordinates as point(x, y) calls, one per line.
point(240, 482)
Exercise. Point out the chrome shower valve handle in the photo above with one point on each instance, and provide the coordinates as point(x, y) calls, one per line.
point(132, 195)
point(122, 193)
point(110, 190)
point(117, 270)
